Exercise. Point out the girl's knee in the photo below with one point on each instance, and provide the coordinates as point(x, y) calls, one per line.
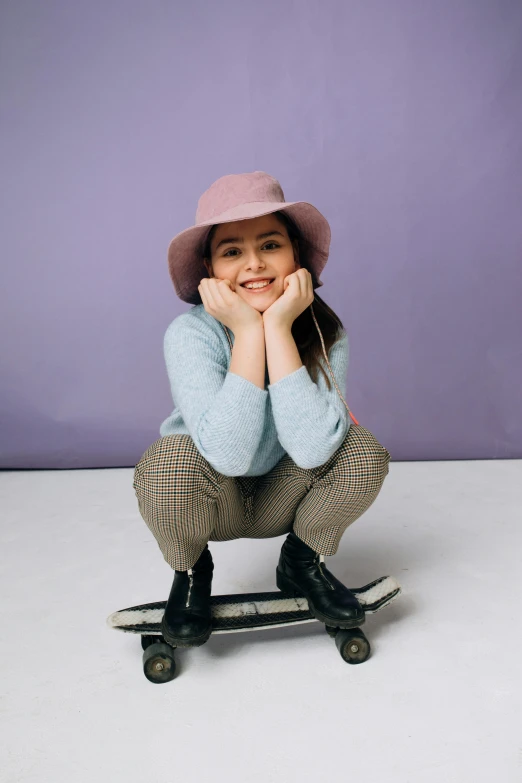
point(365, 459)
point(170, 463)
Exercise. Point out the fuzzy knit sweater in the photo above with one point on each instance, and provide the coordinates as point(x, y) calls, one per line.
point(240, 429)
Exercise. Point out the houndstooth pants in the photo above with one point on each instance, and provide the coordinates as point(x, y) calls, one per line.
point(186, 502)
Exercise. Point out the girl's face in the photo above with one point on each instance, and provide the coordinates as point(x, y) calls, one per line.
point(257, 249)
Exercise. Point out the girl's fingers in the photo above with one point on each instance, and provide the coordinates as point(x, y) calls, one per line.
point(208, 295)
point(309, 286)
point(221, 292)
point(217, 295)
point(203, 297)
point(306, 282)
point(225, 290)
point(302, 278)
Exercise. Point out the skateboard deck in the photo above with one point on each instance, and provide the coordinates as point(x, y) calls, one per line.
point(250, 611)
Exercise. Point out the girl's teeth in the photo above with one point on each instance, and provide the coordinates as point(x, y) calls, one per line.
point(262, 285)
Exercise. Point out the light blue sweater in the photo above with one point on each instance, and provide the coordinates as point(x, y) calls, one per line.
point(240, 429)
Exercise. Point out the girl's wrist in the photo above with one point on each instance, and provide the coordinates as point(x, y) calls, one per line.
point(253, 331)
point(274, 325)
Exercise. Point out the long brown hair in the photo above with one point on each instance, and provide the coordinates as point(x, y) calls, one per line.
point(304, 330)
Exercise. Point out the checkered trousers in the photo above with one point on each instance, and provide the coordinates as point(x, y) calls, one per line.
point(186, 502)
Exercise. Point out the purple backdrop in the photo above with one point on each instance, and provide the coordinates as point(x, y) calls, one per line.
point(401, 121)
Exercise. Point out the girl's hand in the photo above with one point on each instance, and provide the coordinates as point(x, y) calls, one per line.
point(298, 294)
point(226, 306)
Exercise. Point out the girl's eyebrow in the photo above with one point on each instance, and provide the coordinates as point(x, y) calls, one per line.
point(239, 240)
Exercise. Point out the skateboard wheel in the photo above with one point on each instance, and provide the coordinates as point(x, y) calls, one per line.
point(353, 645)
point(158, 662)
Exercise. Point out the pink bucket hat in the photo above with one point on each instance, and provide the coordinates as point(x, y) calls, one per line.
point(240, 197)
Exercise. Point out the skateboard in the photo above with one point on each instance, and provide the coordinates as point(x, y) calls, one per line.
point(249, 612)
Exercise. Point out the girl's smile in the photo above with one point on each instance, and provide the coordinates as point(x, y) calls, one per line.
point(258, 288)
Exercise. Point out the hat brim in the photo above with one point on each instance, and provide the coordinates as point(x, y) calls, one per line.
point(184, 254)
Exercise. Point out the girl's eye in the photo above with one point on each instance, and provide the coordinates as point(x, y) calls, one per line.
point(234, 250)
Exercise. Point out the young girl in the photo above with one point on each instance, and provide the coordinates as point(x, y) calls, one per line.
point(260, 442)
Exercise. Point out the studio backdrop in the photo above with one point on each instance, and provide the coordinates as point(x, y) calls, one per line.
point(401, 120)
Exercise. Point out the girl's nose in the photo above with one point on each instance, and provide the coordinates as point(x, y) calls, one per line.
point(252, 259)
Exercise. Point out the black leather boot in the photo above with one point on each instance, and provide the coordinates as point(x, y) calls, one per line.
point(187, 621)
point(300, 571)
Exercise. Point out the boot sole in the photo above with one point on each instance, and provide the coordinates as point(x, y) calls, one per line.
point(287, 586)
point(194, 641)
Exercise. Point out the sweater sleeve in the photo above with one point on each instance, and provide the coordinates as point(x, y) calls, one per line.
point(223, 412)
point(312, 421)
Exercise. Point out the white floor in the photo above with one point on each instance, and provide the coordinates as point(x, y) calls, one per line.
point(438, 701)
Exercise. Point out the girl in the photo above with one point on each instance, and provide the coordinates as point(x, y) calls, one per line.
point(260, 443)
